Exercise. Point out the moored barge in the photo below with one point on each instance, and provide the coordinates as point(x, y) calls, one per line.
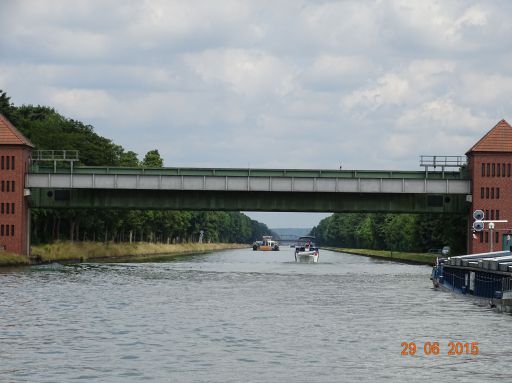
point(487, 277)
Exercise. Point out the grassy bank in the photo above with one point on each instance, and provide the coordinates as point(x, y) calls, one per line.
point(84, 251)
point(10, 259)
point(420, 258)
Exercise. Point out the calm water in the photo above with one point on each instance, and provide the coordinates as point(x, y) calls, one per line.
point(238, 316)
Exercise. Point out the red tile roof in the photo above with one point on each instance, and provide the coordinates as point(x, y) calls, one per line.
point(498, 139)
point(9, 135)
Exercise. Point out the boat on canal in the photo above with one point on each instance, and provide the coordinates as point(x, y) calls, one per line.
point(267, 244)
point(306, 250)
point(485, 277)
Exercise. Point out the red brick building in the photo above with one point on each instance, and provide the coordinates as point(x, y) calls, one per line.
point(15, 152)
point(489, 165)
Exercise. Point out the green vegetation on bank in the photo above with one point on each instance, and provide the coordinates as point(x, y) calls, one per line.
point(400, 256)
point(83, 251)
point(10, 259)
point(414, 233)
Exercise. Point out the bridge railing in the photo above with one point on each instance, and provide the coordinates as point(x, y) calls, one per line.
point(442, 161)
point(55, 155)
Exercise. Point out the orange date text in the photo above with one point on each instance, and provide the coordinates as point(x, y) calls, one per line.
point(435, 348)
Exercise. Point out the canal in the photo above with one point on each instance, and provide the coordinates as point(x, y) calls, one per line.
point(238, 316)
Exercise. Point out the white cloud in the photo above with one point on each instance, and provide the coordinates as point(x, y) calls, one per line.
point(81, 103)
point(250, 73)
point(389, 89)
point(440, 114)
point(439, 24)
point(489, 89)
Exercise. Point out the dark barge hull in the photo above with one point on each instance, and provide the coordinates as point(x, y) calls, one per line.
point(480, 280)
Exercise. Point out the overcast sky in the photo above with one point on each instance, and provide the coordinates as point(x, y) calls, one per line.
point(285, 84)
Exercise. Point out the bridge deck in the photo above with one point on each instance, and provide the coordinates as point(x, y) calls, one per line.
point(261, 180)
point(249, 189)
point(246, 172)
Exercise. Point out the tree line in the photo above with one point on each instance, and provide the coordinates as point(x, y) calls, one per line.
point(48, 130)
point(395, 232)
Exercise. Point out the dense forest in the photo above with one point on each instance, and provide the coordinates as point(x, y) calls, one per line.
point(48, 130)
point(396, 232)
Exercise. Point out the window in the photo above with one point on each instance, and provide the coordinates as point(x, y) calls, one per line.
point(2, 230)
point(483, 170)
point(481, 237)
point(12, 162)
point(497, 237)
point(497, 193)
point(486, 237)
point(12, 230)
point(2, 208)
point(6, 230)
point(3, 185)
point(497, 214)
point(492, 214)
point(498, 170)
point(12, 208)
point(2, 166)
point(7, 208)
point(8, 185)
point(487, 213)
point(493, 169)
point(12, 187)
point(488, 166)
point(486, 192)
point(492, 193)
point(482, 192)
point(508, 170)
point(503, 169)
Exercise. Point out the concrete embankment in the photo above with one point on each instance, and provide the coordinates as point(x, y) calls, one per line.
point(88, 251)
point(397, 256)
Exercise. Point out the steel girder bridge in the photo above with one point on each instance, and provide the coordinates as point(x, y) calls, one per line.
point(249, 189)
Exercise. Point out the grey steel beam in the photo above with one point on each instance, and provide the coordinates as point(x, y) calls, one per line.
point(248, 184)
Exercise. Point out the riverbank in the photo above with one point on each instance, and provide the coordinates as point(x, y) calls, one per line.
point(398, 256)
point(10, 259)
point(88, 251)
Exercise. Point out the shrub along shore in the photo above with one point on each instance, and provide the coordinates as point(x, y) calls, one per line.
point(88, 251)
point(398, 256)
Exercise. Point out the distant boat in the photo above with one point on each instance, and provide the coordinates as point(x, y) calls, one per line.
point(306, 250)
point(267, 244)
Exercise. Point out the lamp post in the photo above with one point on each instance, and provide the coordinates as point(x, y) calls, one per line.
point(491, 228)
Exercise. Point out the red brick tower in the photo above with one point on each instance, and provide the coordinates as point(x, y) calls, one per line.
point(15, 152)
point(489, 165)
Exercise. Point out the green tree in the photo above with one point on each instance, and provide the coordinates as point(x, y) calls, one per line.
point(6, 107)
point(152, 159)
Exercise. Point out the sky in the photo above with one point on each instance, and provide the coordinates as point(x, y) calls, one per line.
point(267, 84)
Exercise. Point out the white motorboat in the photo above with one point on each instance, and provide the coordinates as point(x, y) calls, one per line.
point(306, 250)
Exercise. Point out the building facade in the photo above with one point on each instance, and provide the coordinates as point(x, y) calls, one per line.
point(489, 165)
point(15, 151)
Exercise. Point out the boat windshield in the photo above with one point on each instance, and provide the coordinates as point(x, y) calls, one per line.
point(304, 241)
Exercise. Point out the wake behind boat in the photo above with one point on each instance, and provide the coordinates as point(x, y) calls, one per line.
point(306, 250)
